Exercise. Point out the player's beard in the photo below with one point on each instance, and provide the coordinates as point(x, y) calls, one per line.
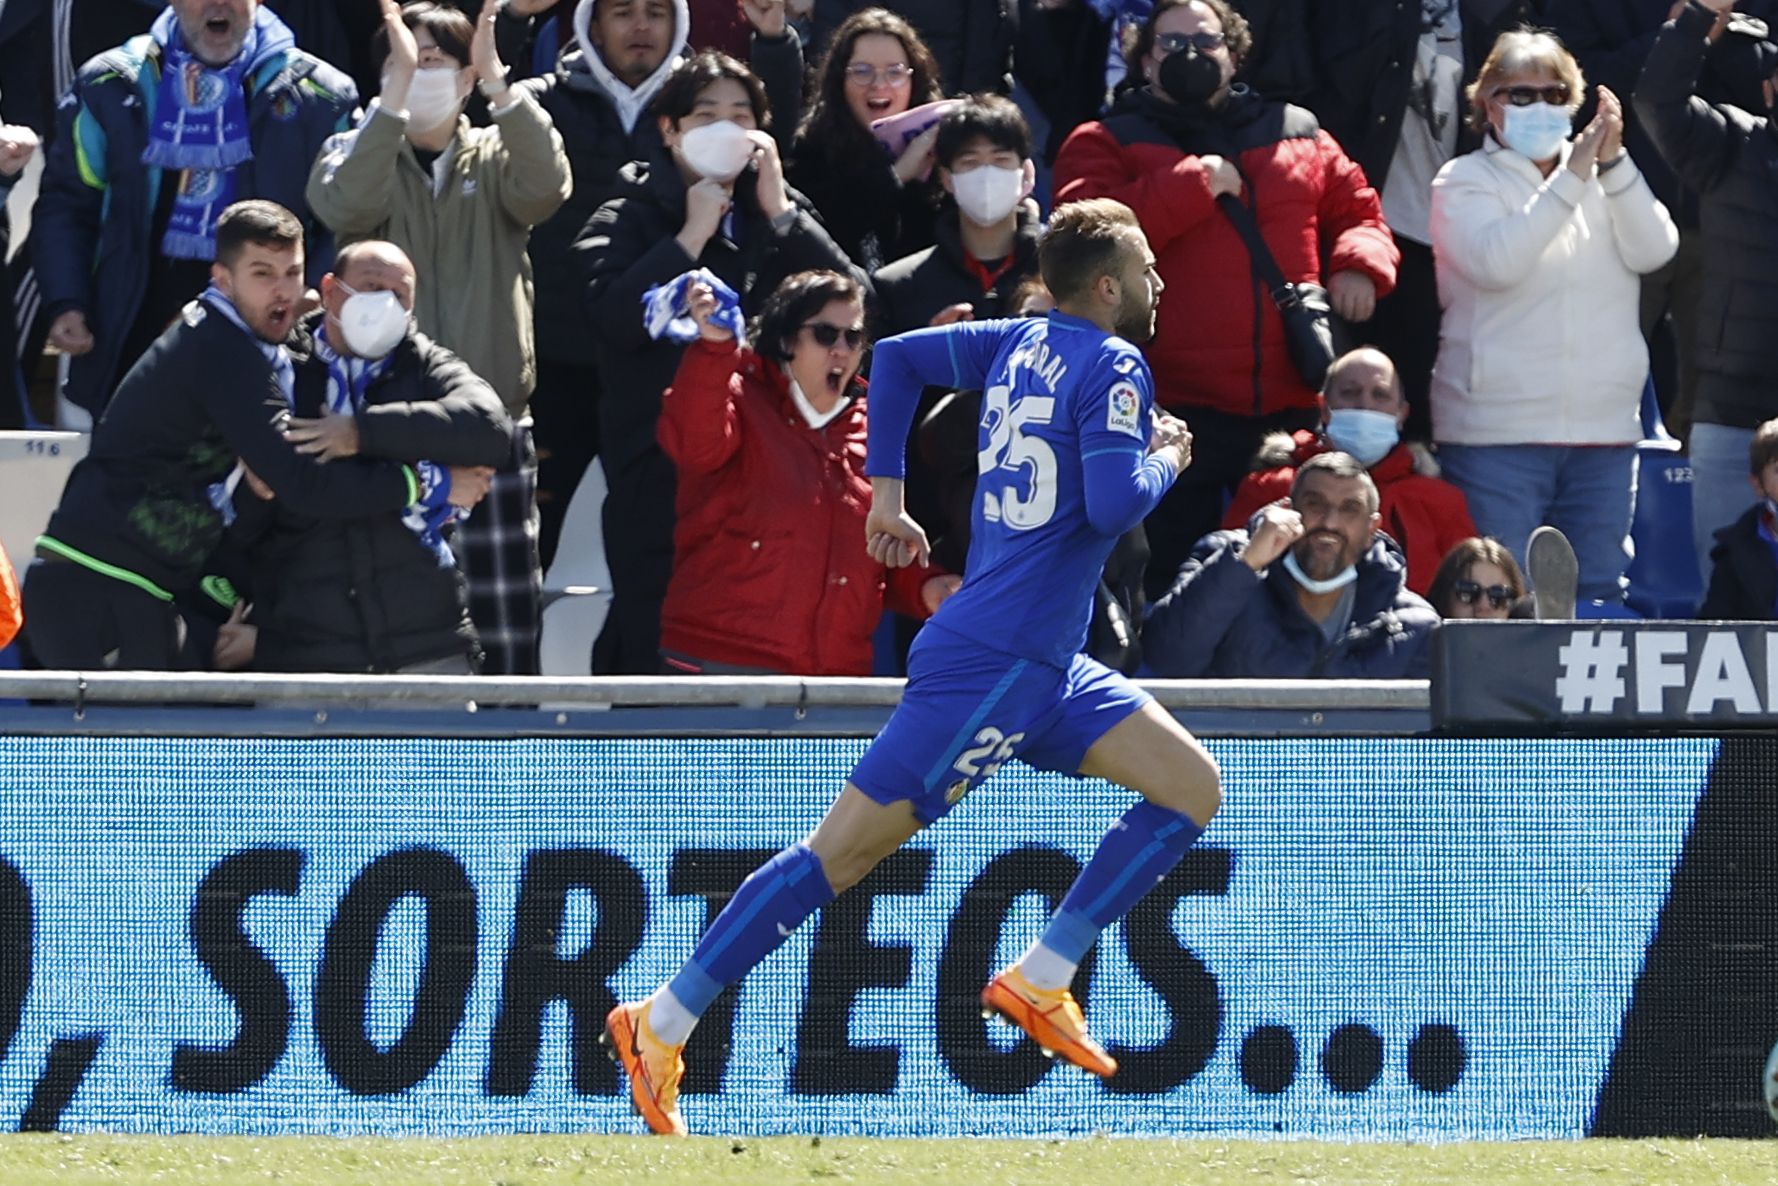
point(1135, 320)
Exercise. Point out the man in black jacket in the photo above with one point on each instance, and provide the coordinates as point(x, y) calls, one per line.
point(377, 592)
point(621, 57)
point(750, 229)
point(122, 230)
point(146, 507)
point(1611, 40)
point(1728, 156)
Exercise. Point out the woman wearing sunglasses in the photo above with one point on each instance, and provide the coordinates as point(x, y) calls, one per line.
point(1540, 239)
point(770, 573)
point(1478, 578)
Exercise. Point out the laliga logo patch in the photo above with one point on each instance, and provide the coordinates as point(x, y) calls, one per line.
point(956, 791)
point(1124, 410)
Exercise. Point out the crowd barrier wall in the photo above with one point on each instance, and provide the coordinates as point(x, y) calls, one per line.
point(1380, 937)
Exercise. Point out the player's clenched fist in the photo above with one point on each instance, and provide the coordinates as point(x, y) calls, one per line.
point(895, 540)
point(1279, 527)
point(1170, 433)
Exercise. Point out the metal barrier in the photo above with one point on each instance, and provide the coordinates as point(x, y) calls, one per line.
point(170, 703)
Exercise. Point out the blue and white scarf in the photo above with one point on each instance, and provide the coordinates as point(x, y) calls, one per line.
point(348, 379)
point(199, 129)
point(222, 493)
point(666, 308)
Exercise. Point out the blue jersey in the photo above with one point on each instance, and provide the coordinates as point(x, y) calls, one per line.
point(1062, 467)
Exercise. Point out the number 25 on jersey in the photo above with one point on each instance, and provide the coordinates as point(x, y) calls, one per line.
point(1018, 470)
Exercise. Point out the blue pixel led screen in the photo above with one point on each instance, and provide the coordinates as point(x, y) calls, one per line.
point(1376, 939)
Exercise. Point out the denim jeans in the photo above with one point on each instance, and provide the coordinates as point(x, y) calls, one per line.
point(1588, 492)
point(1719, 484)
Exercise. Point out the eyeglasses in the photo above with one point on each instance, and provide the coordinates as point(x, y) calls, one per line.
point(1173, 43)
point(826, 335)
point(1523, 96)
point(865, 74)
point(1468, 593)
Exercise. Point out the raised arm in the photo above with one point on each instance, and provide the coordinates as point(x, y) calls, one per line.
point(1698, 141)
point(957, 356)
point(352, 184)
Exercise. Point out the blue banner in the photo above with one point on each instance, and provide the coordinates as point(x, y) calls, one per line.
point(1376, 939)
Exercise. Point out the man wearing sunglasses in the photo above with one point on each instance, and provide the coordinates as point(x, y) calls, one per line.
point(1175, 149)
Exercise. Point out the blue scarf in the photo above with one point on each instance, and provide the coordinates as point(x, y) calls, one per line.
point(200, 127)
point(666, 308)
point(347, 380)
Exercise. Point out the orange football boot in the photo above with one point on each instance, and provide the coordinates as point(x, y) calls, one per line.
point(652, 1067)
point(1050, 1017)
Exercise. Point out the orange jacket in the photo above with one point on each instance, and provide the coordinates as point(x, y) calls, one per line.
point(12, 613)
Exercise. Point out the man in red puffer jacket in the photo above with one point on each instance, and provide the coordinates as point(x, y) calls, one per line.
point(1167, 149)
point(1362, 411)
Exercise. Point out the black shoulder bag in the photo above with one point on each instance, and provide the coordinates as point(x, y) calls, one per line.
point(1308, 317)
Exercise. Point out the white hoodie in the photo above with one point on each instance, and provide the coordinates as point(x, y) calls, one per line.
point(630, 102)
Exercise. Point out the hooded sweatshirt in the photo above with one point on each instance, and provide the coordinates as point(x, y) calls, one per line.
point(604, 126)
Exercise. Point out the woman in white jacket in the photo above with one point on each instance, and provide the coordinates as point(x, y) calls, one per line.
point(1540, 242)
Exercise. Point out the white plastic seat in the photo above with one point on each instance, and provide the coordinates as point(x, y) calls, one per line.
point(577, 587)
point(33, 469)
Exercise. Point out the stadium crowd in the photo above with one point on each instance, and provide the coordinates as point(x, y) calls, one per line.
point(356, 293)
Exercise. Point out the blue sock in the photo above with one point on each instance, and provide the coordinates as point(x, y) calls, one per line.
point(771, 903)
point(1139, 850)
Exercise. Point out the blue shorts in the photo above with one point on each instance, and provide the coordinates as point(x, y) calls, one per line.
point(968, 709)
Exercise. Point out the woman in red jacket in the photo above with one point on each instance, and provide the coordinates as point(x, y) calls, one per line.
point(769, 570)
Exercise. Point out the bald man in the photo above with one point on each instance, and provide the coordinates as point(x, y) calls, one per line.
point(380, 593)
point(1363, 407)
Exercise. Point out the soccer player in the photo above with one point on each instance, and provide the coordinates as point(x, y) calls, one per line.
point(1072, 455)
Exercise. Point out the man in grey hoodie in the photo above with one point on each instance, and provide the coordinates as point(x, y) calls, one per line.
point(622, 51)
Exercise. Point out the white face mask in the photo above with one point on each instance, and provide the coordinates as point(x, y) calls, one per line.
point(1366, 434)
point(432, 100)
point(1338, 580)
point(371, 322)
point(1537, 131)
point(988, 193)
point(717, 151)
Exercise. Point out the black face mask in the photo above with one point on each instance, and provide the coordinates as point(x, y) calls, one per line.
point(1189, 77)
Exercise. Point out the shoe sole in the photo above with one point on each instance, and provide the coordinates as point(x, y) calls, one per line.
point(1066, 1050)
point(619, 1039)
point(1555, 574)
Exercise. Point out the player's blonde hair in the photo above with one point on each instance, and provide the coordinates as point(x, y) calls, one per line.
point(1083, 243)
